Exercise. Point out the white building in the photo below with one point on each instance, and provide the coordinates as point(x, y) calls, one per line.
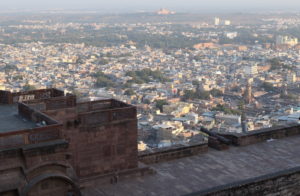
point(231, 35)
point(291, 78)
point(217, 21)
point(251, 69)
point(280, 40)
point(227, 22)
point(193, 117)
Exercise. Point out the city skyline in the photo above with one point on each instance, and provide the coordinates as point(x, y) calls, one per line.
point(147, 5)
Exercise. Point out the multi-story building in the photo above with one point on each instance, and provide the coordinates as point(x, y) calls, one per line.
point(217, 21)
point(291, 77)
point(286, 40)
point(251, 70)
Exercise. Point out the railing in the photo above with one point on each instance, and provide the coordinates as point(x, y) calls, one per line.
point(252, 137)
point(53, 103)
point(49, 129)
point(30, 136)
point(107, 116)
point(7, 97)
point(34, 115)
point(93, 106)
point(100, 105)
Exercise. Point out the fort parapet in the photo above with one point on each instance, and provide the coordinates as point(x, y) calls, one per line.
point(52, 145)
point(49, 139)
point(7, 97)
point(253, 137)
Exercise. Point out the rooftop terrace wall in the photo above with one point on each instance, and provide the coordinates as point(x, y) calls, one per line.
point(100, 105)
point(49, 129)
point(7, 97)
point(252, 137)
point(54, 103)
point(104, 112)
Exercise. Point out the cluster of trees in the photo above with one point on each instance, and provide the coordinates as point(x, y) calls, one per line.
point(216, 92)
point(29, 87)
point(245, 36)
point(289, 96)
point(162, 41)
point(145, 76)
point(104, 37)
point(18, 77)
point(9, 67)
point(268, 86)
point(277, 64)
point(103, 80)
point(190, 94)
point(129, 92)
point(226, 110)
point(204, 95)
point(110, 55)
point(102, 61)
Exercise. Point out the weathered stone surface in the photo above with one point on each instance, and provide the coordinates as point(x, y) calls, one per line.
point(286, 182)
point(84, 142)
point(171, 153)
point(252, 137)
point(215, 168)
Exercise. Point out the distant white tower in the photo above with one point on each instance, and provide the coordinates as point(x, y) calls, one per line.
point(217, 21)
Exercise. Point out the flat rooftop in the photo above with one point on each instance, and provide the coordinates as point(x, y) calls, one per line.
point(10, 120)
point(204, 171)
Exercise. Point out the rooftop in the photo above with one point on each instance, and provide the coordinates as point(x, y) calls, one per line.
point(205, 171)
point(10, 120)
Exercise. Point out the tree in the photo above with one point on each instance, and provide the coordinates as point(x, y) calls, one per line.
point(189, 94)
point(145, 76)
point(204, 95)
point(103, 80)
point(160, 103)
point(278, 64)
point(195, 82)
point(226, 110)
point(216, 92)
point(129, 92)
point(289, 96)
point(29, 87)
point(267, 86)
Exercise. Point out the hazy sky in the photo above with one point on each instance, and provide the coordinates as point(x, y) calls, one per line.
point(135, 5)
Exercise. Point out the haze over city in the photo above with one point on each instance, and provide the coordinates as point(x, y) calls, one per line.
point(150, 5)
point(149, 97)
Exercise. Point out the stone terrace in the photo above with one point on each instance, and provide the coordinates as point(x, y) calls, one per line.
point(11, 121)
point(205, 171)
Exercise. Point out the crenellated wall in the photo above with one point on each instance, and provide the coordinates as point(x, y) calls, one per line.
point(252, 137)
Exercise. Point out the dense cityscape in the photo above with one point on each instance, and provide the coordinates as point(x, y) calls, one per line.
point(182, 71)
